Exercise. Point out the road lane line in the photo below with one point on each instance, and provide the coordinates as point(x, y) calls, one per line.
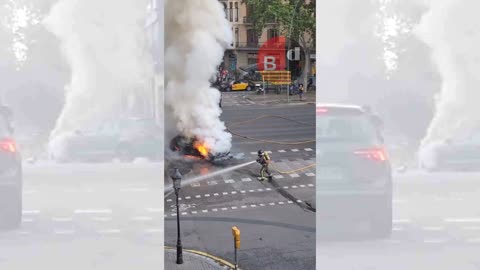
point(246, 179)
point(31, 212)
point(62, 219)
point(234, 207)
point(198, 196)
point(433, 228)
point(308, 149)
point(109, 231)
point(309, 174)
point(93, 211)
point(462, 220)
point(282, 151)
point(229, 181)
point(278, 176)
point(186, 198)
point(294, 175)
point(242, 191)
point(215, 194)
point(434, 241)
point(294, 150)
point(64, 231)
point(207, 195)
point(103, 219)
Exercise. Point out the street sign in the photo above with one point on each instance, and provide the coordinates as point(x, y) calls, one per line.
point(277, 77)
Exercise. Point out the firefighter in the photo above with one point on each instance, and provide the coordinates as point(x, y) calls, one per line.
point(264, 160)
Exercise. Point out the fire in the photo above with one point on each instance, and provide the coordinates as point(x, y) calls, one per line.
point(202, 149)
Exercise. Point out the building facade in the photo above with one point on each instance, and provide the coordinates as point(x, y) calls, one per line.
point(246, 44)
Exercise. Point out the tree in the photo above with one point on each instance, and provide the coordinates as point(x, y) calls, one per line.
point(295, 20)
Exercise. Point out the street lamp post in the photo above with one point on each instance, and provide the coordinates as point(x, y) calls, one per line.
point(177, 179)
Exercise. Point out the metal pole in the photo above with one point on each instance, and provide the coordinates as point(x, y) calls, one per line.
point(236, 260)
point(179, 240)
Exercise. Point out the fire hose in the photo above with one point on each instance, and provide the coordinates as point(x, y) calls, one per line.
point(269, 141)
point(292, 171)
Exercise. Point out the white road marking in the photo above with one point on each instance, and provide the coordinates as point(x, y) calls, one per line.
point(63, 231)
point(268, 189)
point(251, 190)
point(294, 150)
point(471, 228)
point(212, 183)
point(205, 211)
point(243, 206)
point(214, 209)
point(289, 202)
point(246, 179)
point(93, 211)
point(294, 187)
point(215, 194)
point(253, 153)
point(299, 201)
point(282, 151)
point(253, 205)
point(294, 175)
point(31, 212)
point(401, 221)
point(434, 241)
point(278, 176)
point(184, 213)
point(234, 207)
point(169, 200)
point(233, 192)
point(309, 174)
point(433, 228)
point(260, 190)
point(195, 185)
point(225, 193)
point(281, 203)
point(242, 191)
point(103, 219)
point(285, 187)
point(262, 204)
point(229, 181)
point(194, 212)
point(62, 219)
point(272, 203)
point(462, 220)
point(302, 186)
point(311, 185)
point(143, 218)
point(109, 231)
point(207, 195)
point(224, 209)
point(198, 196)
point(308, 149)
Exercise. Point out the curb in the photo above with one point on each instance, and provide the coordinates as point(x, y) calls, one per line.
point(218, 260)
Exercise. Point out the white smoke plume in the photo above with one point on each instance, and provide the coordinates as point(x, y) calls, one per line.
point(451, 29)
point(197, 34)
point(104, 43)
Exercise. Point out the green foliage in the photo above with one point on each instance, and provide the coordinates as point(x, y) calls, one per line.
point(295, 18)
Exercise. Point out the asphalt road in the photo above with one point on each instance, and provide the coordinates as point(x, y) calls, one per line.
point(80, 216)
point(436, 226)
point(276, 218)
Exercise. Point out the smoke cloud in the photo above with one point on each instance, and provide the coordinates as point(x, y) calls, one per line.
point(104, 44)
point(197, 35)
point(451, 29)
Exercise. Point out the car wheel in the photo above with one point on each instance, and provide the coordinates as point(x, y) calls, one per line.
point(249, 88)
point(229, 89)
point(11, 209)
point(381, 221)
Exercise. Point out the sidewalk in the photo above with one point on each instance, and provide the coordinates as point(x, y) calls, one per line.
point(192, 261)
point(272, 98)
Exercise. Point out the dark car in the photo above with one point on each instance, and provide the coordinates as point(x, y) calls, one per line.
point(460, 153)
point(354, 179)
point(10, 175)
point(190, 147)
point(125, 139)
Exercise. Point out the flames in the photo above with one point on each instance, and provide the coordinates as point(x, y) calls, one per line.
point(202, 148)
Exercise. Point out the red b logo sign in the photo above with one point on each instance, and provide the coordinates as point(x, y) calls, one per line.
point(279, 53)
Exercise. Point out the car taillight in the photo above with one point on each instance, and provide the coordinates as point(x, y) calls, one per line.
point(377, 154)
point(321, 110)
point(8, 145)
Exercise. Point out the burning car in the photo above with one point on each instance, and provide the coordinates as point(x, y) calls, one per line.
point(196, 148)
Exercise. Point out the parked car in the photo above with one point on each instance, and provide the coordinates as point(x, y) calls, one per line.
point(10, 175)
point(354, 178)
point(459, 153)
point(124, 139)
point(241, 86)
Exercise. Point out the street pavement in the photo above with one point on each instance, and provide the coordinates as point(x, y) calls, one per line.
point(276, 218)
point(436, 226)
point(191, 261)
point(88, 216)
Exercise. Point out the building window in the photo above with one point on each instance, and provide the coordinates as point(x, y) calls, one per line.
point(272, 33)
point(236, 37)
point(252, 39)
point(236, 11)
point(231, 11)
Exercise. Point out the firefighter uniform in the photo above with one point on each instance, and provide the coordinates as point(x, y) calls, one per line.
point(264, 160)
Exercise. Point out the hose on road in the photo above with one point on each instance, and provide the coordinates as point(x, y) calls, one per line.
point(269, 141)
point(292, 171)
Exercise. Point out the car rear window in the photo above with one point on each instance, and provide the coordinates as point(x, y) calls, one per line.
point(346, 127)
